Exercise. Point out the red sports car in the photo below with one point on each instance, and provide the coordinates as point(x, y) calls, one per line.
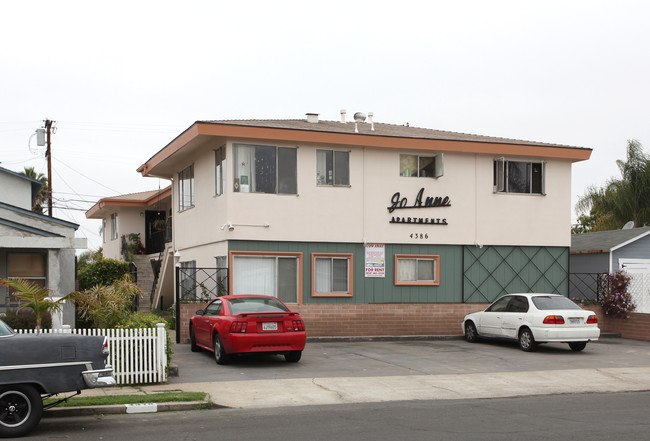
point(238, 324)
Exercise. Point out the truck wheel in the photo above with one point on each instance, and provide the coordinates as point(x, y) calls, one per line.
point(21, 408)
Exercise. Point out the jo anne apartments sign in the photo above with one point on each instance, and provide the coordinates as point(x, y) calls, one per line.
point(398, 203)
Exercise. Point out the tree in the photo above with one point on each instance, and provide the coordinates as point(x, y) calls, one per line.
point(620, 200)
point(35, 297)
point(43, 194)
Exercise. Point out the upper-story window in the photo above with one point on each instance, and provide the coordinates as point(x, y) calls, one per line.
point(220, 170)
point(265, 169)
point(422, 166)
point(113, 226)
point(332, 167)
point(519, 176)
point(186, 188)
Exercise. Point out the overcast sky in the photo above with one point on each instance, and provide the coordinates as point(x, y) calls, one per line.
point(123, 78)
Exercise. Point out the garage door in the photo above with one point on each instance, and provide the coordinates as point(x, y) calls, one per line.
point(639, 286)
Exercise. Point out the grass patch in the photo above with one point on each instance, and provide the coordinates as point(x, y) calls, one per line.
point(104, 400)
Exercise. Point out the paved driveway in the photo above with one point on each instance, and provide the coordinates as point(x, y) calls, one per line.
point(408, 358)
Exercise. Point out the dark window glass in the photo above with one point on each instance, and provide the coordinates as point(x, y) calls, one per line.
point(545, 303)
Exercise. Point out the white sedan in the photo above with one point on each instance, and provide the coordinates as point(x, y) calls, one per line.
point(532, 319)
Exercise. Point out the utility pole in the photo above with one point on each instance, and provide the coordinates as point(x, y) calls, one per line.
point(48, 153)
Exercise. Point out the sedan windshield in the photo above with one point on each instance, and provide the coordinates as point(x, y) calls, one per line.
point(5, 329)
point(545, 303)
point(244, 305)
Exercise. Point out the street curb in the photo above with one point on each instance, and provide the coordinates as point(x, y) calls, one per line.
point(410, 338)
point(384, 338)
point(118, 409)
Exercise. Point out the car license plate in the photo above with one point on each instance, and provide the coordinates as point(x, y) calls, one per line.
point(269, 326)
point(574, 321)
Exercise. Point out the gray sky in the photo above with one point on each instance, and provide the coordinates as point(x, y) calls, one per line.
point(123, 78)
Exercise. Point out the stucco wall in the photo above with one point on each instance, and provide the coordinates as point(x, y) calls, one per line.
point(359, 213)
point(15, 191)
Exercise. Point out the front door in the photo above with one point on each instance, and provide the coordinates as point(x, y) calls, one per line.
point(154, 239)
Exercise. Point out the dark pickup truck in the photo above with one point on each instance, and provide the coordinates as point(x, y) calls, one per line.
point(37, 366)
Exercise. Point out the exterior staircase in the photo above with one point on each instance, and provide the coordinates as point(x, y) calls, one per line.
point(145, 279)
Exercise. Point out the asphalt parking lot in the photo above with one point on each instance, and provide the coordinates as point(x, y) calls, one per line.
point(408, 358)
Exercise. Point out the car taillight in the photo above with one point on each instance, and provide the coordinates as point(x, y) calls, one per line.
point(553, 320)
point(298, 325)
point(592, 319)
point(238, 327)
point(105, 350)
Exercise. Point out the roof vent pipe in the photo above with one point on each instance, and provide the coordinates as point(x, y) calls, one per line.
point(343, 116)
point(359, 117)
point(372, 123)
point(312, 118)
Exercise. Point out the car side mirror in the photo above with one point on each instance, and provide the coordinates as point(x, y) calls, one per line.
point(200, 312)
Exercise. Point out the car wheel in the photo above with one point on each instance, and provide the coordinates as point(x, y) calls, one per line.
point(293, 356)
point(220, 355)
point(193, 346)
point(21, 408)
point(578, 346)
point(526, 340)
point(471, 335)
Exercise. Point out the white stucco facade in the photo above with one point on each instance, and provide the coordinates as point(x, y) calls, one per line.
point(359, 212)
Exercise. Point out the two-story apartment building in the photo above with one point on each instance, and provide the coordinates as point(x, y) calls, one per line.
point(369, 228)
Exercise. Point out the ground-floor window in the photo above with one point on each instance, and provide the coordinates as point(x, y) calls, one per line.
point(273, 274)
point(27, 266)
point(187, 279)
point(332, 275)
point(416, 269)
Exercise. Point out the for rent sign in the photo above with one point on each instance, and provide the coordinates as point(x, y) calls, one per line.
point(375, 260)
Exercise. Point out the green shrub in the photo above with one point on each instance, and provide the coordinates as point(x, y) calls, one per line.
point(107, 306)
point(143, 320)
point(26, 319)
point(101, 272)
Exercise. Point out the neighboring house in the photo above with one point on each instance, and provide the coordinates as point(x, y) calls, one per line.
point(367, 228)
point(145, 215)
point(606, 252)
point(33, 246)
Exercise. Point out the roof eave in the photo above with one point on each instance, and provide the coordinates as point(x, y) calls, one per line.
point(573, 154)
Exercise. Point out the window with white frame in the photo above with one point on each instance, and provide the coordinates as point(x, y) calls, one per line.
point(519, 177)
point(220, 170)
point(422, 166)
point(332, 167)
point(265, 169)
point(268, 274)
point(113, 226)
point(411, 269)
point(222, 275)
point(332, 275)
point(187, 280)
point(186, 188)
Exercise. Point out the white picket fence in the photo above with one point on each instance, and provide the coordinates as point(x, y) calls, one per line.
point(138, 356)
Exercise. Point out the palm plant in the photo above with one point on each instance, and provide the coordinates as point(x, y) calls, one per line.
point(624, 199)
point(35, 297)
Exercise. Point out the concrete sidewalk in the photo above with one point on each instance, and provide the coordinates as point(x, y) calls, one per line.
point(340, 390)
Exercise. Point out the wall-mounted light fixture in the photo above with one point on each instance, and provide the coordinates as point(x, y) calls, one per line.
point(231, 227)
point(177, 258)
